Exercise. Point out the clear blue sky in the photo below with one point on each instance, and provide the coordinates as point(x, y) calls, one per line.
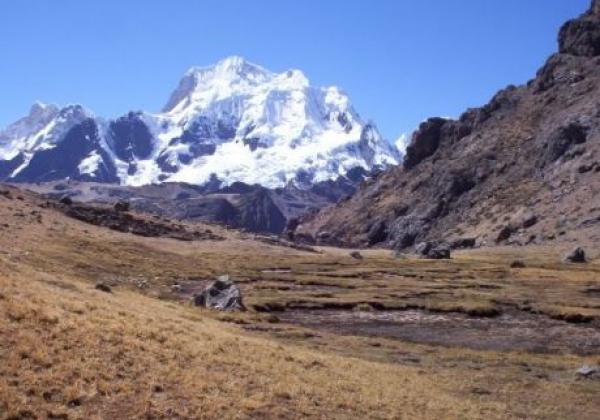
point(401, 61)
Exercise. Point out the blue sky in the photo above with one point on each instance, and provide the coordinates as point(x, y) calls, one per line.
point(400, 61)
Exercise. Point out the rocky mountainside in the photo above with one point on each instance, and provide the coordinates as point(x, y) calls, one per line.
point(231, 122)
point(525, 168)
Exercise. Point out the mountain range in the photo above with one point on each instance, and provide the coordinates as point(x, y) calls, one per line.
point(231, 122)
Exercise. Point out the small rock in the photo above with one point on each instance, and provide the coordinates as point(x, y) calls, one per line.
point(356, 255)
point(222, 295)
point(103, 287)
point(576, 256)
point(587, 371)
point(176, 288)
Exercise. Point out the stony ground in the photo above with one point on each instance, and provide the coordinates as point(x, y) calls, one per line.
point(326, 335)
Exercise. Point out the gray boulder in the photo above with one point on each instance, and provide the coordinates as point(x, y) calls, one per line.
point(433, 250)
point(576, 256)
point(222, 295)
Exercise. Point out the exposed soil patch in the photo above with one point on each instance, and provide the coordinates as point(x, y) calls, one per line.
point(508, 332)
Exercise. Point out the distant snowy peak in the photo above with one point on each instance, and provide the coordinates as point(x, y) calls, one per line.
point(229, 76)
point(231, 122)
point(42, 128)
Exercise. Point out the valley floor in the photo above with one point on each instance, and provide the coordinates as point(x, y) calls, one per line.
point(326, 335)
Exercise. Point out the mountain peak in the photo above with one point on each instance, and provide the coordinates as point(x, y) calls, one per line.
point(229, 68)
point(233, 70)
point(39, 108)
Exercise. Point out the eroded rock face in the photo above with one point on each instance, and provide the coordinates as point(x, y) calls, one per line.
point(222, 295)
point(581, 36)
point(424, 143)
point(377, 233)
point(560, 141)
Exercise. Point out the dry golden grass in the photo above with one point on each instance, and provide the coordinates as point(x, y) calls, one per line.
point(86, 354)
point(69, 351)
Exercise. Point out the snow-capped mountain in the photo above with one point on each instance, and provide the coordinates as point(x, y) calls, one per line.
point(231, 122)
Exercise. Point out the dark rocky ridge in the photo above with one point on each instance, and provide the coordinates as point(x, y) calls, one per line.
point(122, 221)
point(525, 168)
point(63, 160)
point(241, 206)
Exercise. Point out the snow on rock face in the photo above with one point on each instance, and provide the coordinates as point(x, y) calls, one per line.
point(90, 164)
point(235, 121)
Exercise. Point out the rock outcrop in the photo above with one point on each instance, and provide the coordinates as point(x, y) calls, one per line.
point(433, 250)
point(222, 295)
point(581, 37)
point(121, 221)
point(519, 170)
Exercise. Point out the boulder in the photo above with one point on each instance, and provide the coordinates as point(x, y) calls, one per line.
point(356, 255)
point(587, 371)
point(222, 295)
point(103, 287)
point(433, 250)
point(576, 256)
